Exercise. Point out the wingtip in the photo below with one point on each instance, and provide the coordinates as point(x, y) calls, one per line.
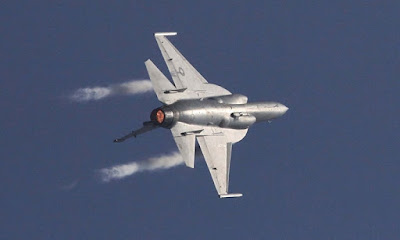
point(165, 34)
point(231, 195)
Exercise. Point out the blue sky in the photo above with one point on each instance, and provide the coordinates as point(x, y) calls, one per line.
point(328, 169)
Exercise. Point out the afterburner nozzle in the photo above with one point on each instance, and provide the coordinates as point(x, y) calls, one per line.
point(162, 116)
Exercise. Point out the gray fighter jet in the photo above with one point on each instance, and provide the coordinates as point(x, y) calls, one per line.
point(195, 110)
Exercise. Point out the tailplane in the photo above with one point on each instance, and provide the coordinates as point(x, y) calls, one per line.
point(162, 86)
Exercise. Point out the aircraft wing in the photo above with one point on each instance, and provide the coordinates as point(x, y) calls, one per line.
point(216, 146)
point(188, 81)
point(217, 153)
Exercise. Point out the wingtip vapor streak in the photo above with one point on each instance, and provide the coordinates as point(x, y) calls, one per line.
point(195, 110)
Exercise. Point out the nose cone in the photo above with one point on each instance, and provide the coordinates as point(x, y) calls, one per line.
point(283, 109)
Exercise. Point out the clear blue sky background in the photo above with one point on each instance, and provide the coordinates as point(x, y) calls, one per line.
point(328, 169)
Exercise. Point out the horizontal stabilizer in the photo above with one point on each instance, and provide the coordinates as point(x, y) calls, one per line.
point(186, 146)
point(160, 82)
point(231, 195)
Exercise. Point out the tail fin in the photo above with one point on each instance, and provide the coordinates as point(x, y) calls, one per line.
point(162, 86)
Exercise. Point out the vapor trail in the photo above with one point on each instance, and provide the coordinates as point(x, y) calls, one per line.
point(152, 164)
point(125, 88)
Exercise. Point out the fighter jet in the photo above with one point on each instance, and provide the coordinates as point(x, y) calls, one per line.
point(197, 111)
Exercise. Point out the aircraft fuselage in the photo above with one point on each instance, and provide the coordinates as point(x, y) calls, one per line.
point(206, 112)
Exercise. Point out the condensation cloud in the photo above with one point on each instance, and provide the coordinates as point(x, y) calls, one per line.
point(97, 93)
